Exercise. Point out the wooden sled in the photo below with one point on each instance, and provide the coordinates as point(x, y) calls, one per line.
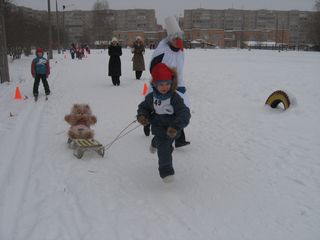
point(80, 146)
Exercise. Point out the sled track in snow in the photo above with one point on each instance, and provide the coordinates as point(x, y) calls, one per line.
point(18, 153)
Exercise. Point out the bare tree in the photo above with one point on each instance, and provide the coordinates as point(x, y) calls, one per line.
point(23, 32)
point(317, 5)
point(102, 26)
point(4, 68)
point(101, 5)
point(315, 26)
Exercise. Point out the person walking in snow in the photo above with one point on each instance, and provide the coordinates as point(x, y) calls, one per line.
point(165, 111)
point(40, 69)
point(72, 50)
point(138, 50)
point(115, 51)
point(170, 52)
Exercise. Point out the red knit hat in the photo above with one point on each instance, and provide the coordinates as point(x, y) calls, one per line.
point(160, 73)
point(39, 50)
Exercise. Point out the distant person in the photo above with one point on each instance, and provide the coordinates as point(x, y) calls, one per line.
point(87, 49)
point(72, 50)
point(170, 52)
point(138, 50)
point(40, 69)
point(165, 110)
point(78, 52)
point(115, 51)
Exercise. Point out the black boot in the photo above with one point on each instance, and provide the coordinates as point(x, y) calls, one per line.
point(181, 140)
point(114, 80)
point(138, 75)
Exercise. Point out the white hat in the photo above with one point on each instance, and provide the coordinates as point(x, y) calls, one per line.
point(172, 27)
point(139, 38)
point(114, 39)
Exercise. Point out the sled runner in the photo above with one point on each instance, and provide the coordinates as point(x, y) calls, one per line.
point(79, 146)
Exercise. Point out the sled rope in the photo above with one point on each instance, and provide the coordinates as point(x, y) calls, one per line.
point(122, 134)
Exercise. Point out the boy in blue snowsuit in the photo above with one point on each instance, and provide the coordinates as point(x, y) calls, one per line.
point(165, 110)
point(40, 69)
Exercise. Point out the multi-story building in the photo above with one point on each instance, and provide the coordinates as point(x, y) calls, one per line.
point(223, 28)
point(101, 25)
point(95, 26)
point(239, 26)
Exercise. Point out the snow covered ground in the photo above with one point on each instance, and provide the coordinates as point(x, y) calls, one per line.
point(251, 172)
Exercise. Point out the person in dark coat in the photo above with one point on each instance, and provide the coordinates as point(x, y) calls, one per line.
point(72, 50)
point(138, 50)
point(40, 70)
point(165, 110)
point(115, 51)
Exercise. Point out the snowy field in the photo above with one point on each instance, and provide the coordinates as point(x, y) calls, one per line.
point(250, 173)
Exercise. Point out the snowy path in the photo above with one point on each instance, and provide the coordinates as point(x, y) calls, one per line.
point(250, 172)
point(20, 148)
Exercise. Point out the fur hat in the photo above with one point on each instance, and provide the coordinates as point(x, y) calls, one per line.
point(114, 39)
point(172, 27)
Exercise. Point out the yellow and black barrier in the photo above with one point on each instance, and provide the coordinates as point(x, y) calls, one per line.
point(278, 97)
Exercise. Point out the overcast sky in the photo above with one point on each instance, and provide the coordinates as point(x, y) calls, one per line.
point(166, 8)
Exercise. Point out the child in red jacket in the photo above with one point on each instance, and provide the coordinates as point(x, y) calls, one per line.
point(40, 69)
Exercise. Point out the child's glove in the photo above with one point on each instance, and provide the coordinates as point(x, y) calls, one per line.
point(143, 120)
point(172, 132)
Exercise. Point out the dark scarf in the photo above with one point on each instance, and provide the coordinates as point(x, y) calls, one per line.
point(174, 48)
point(161, 96)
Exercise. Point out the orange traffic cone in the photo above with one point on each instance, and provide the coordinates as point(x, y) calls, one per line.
point(18, 94)
point(145, 89)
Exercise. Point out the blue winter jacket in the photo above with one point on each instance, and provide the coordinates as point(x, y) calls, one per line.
point(40, 66)
point(179, 119)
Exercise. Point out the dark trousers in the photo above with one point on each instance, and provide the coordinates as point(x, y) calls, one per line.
point(181, 138)
point(115, 80)
point(138, 74)
point(37, 78)
point(164, 150)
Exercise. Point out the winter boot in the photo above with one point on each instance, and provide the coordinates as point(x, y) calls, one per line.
point(181, 140)
point(168, 179)
point(181, 144)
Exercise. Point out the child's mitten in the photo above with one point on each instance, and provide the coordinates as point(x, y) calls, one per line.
point(172, 132)
point(142, 120)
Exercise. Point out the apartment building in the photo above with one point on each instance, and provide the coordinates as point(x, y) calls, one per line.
point(99, 26)
point(223, 28)
point(79, 26)
point(239, 26)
